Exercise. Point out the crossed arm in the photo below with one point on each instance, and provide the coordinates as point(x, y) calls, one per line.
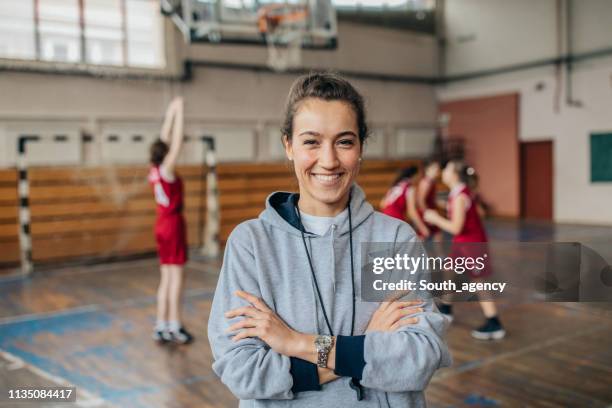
point(261, 322)
point(256, 344)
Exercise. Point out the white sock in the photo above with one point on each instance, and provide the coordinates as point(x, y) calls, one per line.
point(174, 326)
point(161, 325)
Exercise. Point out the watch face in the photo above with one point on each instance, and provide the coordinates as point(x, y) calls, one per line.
point(323, 342)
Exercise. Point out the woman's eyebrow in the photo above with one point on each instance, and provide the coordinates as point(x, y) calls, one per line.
point(346, 133)
point(314, 133)
point(310, 132)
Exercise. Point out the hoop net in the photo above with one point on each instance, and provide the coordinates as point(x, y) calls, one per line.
point(283, 26)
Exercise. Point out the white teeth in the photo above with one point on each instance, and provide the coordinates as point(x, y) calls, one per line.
point(324, 177)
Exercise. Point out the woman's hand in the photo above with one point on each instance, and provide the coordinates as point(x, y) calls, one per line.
point(390, 316)
point(260, 321)
point(431, 216)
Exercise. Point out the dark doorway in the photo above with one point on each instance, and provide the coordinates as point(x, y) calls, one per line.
point(537, 180)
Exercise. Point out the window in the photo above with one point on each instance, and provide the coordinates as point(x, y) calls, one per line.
point(144, 34)
point(17, 38)
point(100, 32)
point(104, 32)
point(408, 5)
point(58, 25)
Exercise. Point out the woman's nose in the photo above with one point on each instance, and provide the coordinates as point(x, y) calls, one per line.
point(328, 157)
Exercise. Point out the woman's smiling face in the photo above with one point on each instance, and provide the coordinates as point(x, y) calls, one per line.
point(325, 150)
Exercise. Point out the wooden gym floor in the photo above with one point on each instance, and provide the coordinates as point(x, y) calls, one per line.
point(91, 326)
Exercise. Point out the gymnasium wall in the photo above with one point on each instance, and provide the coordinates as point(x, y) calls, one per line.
point(485, 34)
point(241, 108)
point(392, 52)
point(490, 124)
point(543, 111)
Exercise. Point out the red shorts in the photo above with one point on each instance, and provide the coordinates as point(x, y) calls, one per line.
point(171, 238)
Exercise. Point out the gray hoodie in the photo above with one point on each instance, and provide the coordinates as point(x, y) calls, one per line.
point(266, 257)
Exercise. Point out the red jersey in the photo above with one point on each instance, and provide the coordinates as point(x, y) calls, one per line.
point(170, 229)
point(396, 200)
point(168, 193)
point(430, 196)
point(473, 230)
point(430, 203)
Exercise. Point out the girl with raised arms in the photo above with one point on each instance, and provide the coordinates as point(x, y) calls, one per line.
point(170, 229)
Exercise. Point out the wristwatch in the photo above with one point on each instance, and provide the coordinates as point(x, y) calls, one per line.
point(323, 345)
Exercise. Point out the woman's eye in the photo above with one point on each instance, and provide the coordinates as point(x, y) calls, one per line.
point(309, 141)
point(346, 142)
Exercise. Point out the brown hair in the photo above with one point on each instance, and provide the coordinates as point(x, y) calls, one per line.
point(463, 170)
point(158, 151)
point(406, 173)
point(329, 87)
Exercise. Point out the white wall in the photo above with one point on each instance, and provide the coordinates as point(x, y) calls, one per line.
point(235, 106)
point(241, 108)
point(576, 199)
point(361, 48)
point(485, 34)
point(591, 18)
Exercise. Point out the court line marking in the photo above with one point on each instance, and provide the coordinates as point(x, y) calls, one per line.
point(84, 399)
point(79, 269)
point(97, 307)
point(47, 315)
point(91, 400)
point(471, 365)
point(69, 271)
point(72, 270)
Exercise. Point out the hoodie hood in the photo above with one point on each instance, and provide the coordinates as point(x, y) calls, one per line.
point(280, 211)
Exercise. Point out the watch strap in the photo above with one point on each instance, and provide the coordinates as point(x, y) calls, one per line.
point(322, 356)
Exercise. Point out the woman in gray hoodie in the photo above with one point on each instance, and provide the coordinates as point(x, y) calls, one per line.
point(286, 327)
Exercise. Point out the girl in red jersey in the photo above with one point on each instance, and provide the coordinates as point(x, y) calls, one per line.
point(170, 230)
point(466, 226)
point(400, 201)
point(426, 196)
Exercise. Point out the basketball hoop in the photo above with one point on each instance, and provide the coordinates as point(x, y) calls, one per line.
point(283, 26)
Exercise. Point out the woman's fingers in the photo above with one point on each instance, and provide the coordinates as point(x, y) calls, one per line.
point(243, 324)
point(252, 332)
point(398, 314)
point(243, 311)
point(399, 304)
point(402, 305)
point(254, 300)
point(407, 311)
point(404, 322)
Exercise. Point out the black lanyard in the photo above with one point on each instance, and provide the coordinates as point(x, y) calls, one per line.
point(354, 384)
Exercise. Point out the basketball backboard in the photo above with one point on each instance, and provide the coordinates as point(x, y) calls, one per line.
point(239, 21)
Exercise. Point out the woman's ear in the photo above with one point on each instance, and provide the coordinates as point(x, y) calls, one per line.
point(288, 147)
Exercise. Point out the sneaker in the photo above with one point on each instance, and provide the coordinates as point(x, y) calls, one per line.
point(491, 330)
point(181, 336)
point(160, 336)
point(447, 311)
